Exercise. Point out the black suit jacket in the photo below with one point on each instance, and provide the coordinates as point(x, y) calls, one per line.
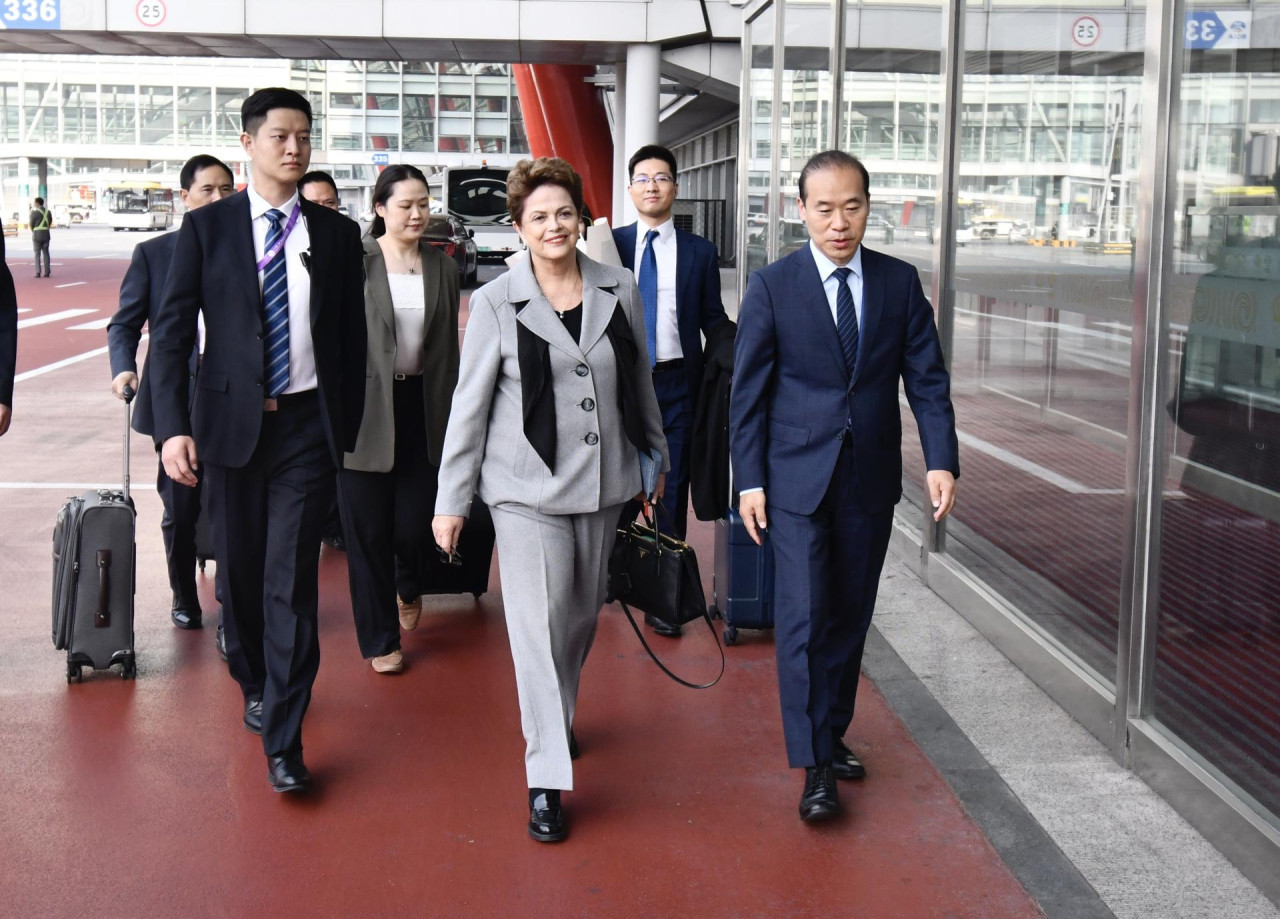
point(214, 272)
point(8, 329)
point(141, 293)
point(698, 306)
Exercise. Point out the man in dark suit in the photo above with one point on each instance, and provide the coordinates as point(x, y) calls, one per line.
point(824, 335)
point(679, 278)
point(279, 283)
point(204, 179)
point(8, 340)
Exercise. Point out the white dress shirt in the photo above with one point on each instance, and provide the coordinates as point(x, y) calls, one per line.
point(409, 305)
point(664, 251)
point(302, 357)
point(830, 284)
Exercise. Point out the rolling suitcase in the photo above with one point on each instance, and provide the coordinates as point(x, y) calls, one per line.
point(94, 569)
point(475, 546)
point(742, 581)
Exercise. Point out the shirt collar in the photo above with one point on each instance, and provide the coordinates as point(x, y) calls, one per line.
point(826, 267)
point(258, 205)
point(666, 230)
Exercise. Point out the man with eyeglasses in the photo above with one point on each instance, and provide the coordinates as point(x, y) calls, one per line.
point(678, 274)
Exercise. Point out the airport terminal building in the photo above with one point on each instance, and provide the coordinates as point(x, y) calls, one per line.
point(1090, 191)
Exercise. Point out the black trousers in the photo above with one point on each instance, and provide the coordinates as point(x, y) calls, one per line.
point(267, 517)
point(386, 519)
point(178, 525)
point(676, 403)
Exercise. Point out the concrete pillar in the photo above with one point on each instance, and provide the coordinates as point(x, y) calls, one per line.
point(42, 178)
point(620, 154)
point(643, 81)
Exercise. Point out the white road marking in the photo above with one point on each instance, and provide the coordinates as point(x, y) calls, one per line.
point(95, 324)
point(74, 487)
point(67, 362)
point(23, 309)
point(71, 284)
point(53, 317)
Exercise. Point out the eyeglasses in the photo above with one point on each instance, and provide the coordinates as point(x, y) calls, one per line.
point(450, 558)
point(661, 180)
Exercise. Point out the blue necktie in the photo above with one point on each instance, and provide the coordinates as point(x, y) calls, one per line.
point(846, 319)
point(275, 312)
point(648, 280)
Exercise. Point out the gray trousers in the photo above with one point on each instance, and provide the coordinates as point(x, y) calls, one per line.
point(41, 248)
point(554, 570)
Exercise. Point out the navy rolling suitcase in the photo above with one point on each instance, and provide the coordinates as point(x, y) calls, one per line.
point(742, 583)
point(94, 569)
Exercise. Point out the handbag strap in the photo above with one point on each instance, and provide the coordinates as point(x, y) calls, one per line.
point(706, 617)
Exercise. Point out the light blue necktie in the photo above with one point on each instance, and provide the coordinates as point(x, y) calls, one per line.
point(275, 301)
point(648, 281)
point(846, 319)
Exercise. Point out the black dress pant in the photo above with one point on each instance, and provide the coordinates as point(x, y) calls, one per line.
point(386, 519)
point(178, 525)
point(267, 518)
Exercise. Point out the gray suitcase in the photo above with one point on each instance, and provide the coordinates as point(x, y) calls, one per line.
point(94, 572)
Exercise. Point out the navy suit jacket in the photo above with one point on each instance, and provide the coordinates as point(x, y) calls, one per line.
point(698, 305)
point(793, 400)
point(8, 329)
point(140, 294)
point(214, 272)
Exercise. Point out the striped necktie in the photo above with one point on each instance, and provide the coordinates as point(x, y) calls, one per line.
point(275, 311)
point(846, 319)
point(647, 279)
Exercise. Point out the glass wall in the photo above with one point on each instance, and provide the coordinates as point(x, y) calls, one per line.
point(119, 113)
point(80, 113)
point(1217, 674)
point(756, 248)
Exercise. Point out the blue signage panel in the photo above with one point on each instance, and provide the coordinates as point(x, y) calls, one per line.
point(1207, 29)
point(30, 14)
point(381, 159)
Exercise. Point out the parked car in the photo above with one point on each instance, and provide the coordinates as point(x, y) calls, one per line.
point(448, 235)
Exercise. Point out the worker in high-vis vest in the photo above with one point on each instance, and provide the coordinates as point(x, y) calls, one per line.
point(41, 221)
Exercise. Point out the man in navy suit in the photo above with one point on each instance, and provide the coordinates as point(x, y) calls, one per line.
point(204, 179)
point(679, 278)
point(279, 282)
point(824, 335)
point(8, 340)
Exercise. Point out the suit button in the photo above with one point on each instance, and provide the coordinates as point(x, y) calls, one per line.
point(592, 439)
point(259, 337)
point(581, 370)
point(588, 404)
point(259, 382)
point(840, 436)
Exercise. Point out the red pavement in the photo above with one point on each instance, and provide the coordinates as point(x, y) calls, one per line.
point(149, 799)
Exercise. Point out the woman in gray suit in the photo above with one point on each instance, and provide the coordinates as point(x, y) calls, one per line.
point(387, 486)
point(554, 407)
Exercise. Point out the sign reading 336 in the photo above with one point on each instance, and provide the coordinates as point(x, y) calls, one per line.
point(30, 14)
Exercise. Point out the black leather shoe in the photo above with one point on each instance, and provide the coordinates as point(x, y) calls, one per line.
point(573, 745)
point(661, 626)
point(820, 800)
point(546, 816)
point(221, 642)
point(287, 772)
point(186, 615)
point(337, 543)
point(253, 715)
point(845, 763)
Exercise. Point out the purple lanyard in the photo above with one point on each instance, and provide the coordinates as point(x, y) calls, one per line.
point(279, 244)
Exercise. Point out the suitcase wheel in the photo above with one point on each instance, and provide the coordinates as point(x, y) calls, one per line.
point(730, 636)
point(129, 670)
point(73, 673)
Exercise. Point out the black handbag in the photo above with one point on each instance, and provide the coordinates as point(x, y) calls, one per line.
point(658, 575)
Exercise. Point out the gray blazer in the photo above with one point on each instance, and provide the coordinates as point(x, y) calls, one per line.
point(376, 443)
point(485, 448)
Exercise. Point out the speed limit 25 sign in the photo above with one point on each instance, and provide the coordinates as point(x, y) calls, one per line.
point(1085, 32)
point(151, 12)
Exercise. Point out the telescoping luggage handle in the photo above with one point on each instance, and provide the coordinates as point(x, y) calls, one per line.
point(128, 398)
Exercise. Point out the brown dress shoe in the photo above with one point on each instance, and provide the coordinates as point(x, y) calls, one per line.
point(409, 613)
point(388, 663)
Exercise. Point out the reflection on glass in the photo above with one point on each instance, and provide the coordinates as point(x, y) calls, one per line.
point(227, 115)
point(156, 110)
point(119, 114)
point(1217, 674)
point(42, 112)
point(760, 195)
point(1043, 331)
point(195, 114)
point(80, 113)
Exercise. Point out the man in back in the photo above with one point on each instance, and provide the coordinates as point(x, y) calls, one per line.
point(279, 398)
point(825, 334)
point(41, 221)
point(204, 179)
point(678, 274)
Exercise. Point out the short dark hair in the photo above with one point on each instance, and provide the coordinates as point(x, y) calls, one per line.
point(254, 110)
point(529, 175)
point(317, 175)
point(39, 202)
point(388, 179)
point(651, 152)
point(195, 164)
point(834, 159)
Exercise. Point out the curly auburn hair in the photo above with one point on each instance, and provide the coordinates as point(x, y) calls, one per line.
point(528, 175)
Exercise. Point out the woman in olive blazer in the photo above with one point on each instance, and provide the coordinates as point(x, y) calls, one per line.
point(387, 485)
